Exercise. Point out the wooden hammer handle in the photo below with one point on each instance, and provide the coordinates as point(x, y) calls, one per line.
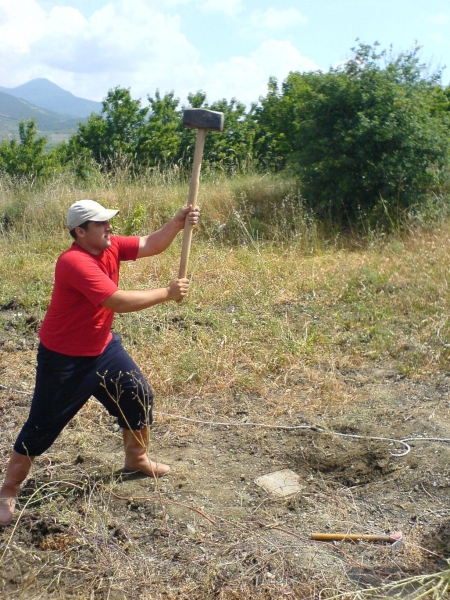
point(192, 200)
point(351, 537)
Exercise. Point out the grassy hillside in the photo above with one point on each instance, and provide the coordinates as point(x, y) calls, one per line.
point(297, 348)
point(371, 299)
point(50, 97)
point(13, 110)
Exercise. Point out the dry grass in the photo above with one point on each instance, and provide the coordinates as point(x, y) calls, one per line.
point(259, 315)
point(269, 326)
point(258, 318)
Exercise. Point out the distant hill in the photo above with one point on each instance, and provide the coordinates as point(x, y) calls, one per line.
point(49, 96)
point(13, 110)
point(36, 99)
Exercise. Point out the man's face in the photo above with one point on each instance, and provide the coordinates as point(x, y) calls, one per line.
point(96, 238)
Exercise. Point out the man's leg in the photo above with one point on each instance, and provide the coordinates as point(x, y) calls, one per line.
point(126, 394)
point(63, 385)
point(135, 444)
point(18, 468)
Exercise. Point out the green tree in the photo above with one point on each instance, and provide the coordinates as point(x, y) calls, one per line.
point(126, 134)
point(230, 150)
point(366, 140)
point(234, 148)
point(159, 139)
point(113, 136)
point(273, 118)
point(25, 158)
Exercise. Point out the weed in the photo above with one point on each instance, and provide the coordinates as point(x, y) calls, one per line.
point(279, 318)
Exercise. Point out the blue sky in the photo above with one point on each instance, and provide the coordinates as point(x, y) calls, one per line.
point(227, 48)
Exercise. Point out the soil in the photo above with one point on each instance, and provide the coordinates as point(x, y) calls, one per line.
point(85, 529)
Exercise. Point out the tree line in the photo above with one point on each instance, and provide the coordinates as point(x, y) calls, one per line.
point(369, 138)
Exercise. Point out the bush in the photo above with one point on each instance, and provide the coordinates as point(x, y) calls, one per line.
point(26, 159)
point(367, 142)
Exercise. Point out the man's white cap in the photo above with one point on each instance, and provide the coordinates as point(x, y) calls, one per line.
point(88, 210)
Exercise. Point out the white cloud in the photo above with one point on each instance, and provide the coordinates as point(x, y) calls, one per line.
point(66, 20)
point(246, 78)
point(133, 45)
point(437, 37)
point(230, 8)
point(123, 43)
point(273, 19)
point(439, 19)
point(20, 25)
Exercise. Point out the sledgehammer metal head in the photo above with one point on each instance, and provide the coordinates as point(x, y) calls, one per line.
point(201, 118)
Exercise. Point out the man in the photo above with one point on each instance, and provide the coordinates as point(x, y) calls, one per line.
point(78, 355)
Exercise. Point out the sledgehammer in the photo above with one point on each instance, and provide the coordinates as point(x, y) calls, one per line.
point(204, 120)
point(395, 539)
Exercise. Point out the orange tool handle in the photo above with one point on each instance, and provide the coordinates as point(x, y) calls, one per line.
point(350, 537)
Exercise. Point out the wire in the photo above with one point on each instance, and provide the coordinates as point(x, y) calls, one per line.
point(235, 423)
point(315, 428)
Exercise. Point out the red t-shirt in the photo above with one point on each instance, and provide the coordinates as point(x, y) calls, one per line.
point(75, 324)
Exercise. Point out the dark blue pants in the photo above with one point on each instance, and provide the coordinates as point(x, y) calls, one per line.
point(65, 383)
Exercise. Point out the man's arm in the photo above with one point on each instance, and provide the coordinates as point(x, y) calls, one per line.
point(124, 301)
point(159, 241)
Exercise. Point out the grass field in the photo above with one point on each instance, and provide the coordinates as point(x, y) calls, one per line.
point(287, 325)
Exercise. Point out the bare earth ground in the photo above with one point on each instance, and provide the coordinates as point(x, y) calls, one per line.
point(85, 530)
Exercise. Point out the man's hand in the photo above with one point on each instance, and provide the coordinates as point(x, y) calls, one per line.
point(178, 289)
point(193, 215)
point(124, 301)
point(160, 240)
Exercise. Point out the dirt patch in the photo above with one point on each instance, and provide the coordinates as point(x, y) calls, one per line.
point(86, 530)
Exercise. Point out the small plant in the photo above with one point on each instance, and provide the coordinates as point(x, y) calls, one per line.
point(133, 223)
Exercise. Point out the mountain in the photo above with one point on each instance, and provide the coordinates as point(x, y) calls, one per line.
point(49, 96)
point(56, 111)
point(51, 125)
